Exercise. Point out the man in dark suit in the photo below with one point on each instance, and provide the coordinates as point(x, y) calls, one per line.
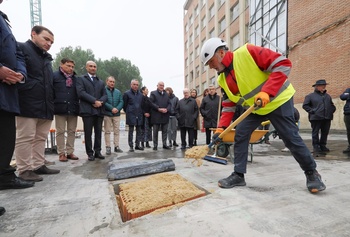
point(12, 71)
point(92, 94)
point(160, 114)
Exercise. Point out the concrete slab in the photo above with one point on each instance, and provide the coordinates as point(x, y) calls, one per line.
point(80, 201)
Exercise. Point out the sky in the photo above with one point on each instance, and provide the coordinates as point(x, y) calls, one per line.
point(148, 33)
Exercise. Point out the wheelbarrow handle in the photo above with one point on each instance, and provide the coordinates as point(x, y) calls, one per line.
point(235, 123)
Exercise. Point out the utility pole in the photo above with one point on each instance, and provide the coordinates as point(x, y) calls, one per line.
point(35, 12)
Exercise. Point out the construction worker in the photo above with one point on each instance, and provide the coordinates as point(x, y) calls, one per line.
point(249, 74)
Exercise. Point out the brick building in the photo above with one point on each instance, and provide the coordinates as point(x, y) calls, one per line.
point(314, 35)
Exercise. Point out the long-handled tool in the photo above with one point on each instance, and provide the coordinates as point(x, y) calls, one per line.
point(228, 129)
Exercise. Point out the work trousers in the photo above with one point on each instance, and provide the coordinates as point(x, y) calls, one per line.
point(160, 127)
point(111, 124)
point(30, 143)
point(283, 121)
point(183, 131)
point(7, 144)
point(347, 125)
point(138, 135)
point(318, 126)
point(65, 123)
point(92, 122)
point(172, 129)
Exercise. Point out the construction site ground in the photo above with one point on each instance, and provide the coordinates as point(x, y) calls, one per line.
point(80, 201)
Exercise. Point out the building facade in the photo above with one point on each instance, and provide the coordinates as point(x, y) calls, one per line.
point(314, 35)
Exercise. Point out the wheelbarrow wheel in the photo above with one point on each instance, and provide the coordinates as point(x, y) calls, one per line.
point(223, 150)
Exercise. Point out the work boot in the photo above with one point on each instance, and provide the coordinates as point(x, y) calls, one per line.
point(2, 211)
point(44, 170)
point(29, 175)
point(108, 150)
point(313, 181)
point(117, 149)
point(231, 181)
point(147, 145)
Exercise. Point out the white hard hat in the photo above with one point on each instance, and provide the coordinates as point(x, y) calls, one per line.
point(209, 47)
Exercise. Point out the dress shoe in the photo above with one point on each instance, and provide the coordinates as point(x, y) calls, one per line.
point(99, 156)
point(62, 158)
point(138, 148)
point(166, 147)
point(16, 183)
point(72, 157)
point(131, 149)
point(175, 144)
point(155, 148)
point(324, 148)
point(147, 145)
point(44, 170)
point(117, 149)
point(91, 158)
point(29, 175)
point(183, 148)
point(2, 211)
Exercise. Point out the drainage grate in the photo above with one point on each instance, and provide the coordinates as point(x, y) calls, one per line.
point(139, 198)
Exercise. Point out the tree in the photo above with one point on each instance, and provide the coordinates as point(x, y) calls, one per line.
point(123, 70)
point(77, 54)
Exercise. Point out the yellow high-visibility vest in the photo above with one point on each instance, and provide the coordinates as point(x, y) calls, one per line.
point(250, 79)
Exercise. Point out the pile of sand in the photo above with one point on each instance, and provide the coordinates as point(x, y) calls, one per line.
point(157, 191)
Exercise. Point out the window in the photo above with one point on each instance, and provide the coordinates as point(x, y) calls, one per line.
point(186, 27)
point(203, 22)
point(211, 12)
point(235, 42)
point(197, 71)
point(196, 51)
point(213, 81)
point(221, 2)
point(196, 32)
point(212, 34)
point(222, 25)
point(234, 12)
point(268, 24)
point(196, 11)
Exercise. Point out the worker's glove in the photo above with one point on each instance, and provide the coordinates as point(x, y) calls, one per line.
point(216, 135)
point(263, 97)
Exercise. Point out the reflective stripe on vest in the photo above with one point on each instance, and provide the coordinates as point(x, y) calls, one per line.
point(250, 80)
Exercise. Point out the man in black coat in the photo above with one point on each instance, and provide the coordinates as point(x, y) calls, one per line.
point(186, 114)
point(321, 108)
point(12, 71)
point(160, 114)
point(209, 110)
point(92, 94)
point(66, 104)
point(134, 114)
point(36, 105)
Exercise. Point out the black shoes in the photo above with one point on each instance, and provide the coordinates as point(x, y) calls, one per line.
point(183, 148)
point(98, 155)
point(44, 170)
point(2, 211)
point(155, 148)
point(137, 147)
point(347, 150)
point(16, 183)
point(117, 149)
point(324, 149)
point(231, 181)
point(91, 158)
point(175, 144)
point(131, 149)
point(147, 145)
point(313, 181)
point(166, 147)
